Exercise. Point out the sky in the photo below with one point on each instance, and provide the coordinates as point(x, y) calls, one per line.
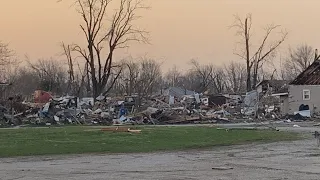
point(180, 30)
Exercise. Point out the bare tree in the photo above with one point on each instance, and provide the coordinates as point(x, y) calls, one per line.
point(149, 77)
point(299, 59)
point(265, 51)
point(78, 81)
point(24, 82)
point(218, 80)
point(191, 81)
point(125, 83)
point(67, 50)
point(7, 61)
point(204, 73)
point(6, 54)
point(51, 73)
point(204, 78)
point(235, 77)
point(139, 77)
point(103, 37)
point(173, 76)
point(130, 76)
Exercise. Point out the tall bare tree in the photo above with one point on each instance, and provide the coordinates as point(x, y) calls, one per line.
point(235, 77)
point(131, 76)
point(172, 76)
point(67, 50)
point(24, 82)
point(127, 81)
point(150, 76)
point(191, 81)
point(204, 73)
point(255, 58)
point(218, 80)
point(51, 73)
point(205, 77)
point(7, 61)
point(6, 54)
point(78, 81)
point(139, 77)
point(104, 37)
point(299, 59)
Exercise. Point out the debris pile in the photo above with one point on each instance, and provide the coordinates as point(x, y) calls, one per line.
point(158, 109)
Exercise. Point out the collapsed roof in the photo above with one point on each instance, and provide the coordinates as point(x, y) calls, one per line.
point(310, 76)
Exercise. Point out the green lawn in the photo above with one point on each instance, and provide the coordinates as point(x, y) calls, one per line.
point(76, 140)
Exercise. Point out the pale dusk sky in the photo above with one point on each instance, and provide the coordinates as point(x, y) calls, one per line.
point(179, 29)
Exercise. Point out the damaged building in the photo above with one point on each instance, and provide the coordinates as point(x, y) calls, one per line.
point(304, 92)
point(274, 93)
point(274, 86)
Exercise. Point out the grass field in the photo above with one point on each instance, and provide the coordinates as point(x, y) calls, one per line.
point(77, 140)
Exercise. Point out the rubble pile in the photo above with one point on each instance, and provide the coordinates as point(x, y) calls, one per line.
point(63, 110)
point(154, 110)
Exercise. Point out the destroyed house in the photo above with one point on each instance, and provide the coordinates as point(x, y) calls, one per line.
point(304, 91)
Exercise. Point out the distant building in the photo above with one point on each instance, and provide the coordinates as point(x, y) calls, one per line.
point(178, 92)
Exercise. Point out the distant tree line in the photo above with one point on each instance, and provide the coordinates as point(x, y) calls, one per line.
point(145, 77)
point(91, 69)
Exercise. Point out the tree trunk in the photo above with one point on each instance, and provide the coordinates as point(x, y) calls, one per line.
point(249, 88)
point(248, 77)
point(255, 78)
point(89, 93)
point(95, 84)
point(255, 74)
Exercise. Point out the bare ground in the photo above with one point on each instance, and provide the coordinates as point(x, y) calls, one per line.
point(275, 161)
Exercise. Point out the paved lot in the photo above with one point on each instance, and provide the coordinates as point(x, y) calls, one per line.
point(286, 160)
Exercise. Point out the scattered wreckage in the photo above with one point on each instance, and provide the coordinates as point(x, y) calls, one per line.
point(50, 110)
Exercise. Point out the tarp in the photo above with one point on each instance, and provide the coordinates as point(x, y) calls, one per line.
point(305, 113)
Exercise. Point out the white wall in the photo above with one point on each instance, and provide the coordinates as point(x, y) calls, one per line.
point(296, 97)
